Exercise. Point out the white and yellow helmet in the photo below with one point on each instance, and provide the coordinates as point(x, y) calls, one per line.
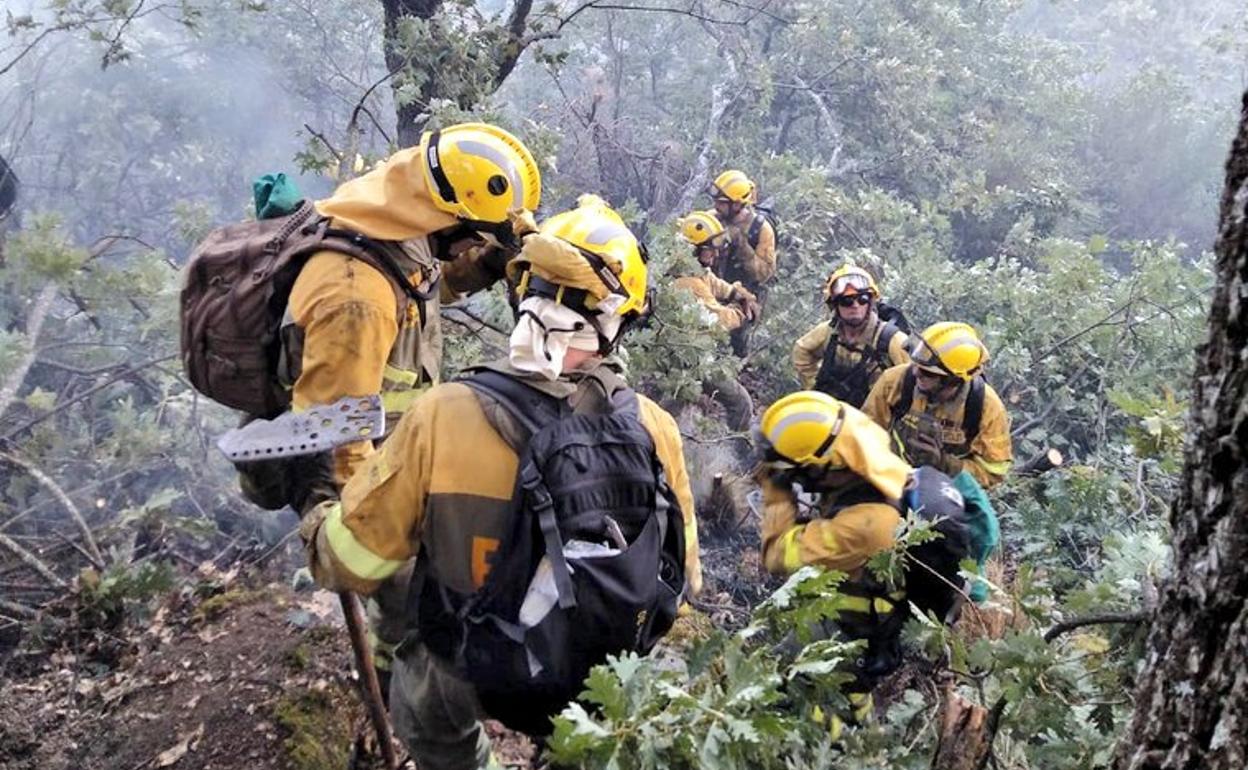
point(950, 348)
point(605, 258)
point(478, 172)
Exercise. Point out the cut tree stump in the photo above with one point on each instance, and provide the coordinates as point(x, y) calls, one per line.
point(964, 735)
point(1041, 463)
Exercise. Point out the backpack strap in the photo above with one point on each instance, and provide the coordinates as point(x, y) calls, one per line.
point(379, 255)
point(973, 413)
point(861, 493)
point(907, 396)
point(529, 408)
point(884, 340)
point(755, 231)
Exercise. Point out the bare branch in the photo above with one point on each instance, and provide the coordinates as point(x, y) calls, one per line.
point(19, 610)
point(1099, 619)
point(34, 322)
point(30, 560)
point(85, 394)
point(482, 323)
point(47, 483)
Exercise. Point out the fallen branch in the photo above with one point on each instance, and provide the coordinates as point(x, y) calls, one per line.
point(1099, 619)
point(85, 394)
point(30, 560)
point(97, 560)
point(20, 610)
point(85, 554)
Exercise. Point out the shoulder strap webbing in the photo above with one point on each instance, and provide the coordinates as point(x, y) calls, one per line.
point(755, 232)
point(862, 493)
point(530, 408)
point(973, 414)
point(907, 395)
point(381, 257)
point(884, 339)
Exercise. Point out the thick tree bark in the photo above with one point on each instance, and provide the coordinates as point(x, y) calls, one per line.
point(409, 123)
point(1192, 694)
point(502, 60)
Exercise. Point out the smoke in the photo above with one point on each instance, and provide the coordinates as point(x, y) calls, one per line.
point(179, 127)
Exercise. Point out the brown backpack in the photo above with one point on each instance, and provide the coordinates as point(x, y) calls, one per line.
point(236, 286)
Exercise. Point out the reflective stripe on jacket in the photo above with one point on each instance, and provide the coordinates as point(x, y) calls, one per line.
point(843, 542)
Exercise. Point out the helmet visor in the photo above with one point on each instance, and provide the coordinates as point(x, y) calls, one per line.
point(850, 284)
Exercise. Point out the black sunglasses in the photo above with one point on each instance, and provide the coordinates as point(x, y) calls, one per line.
point(848, 300)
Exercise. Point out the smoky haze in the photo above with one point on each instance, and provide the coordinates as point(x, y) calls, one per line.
point(168, 139)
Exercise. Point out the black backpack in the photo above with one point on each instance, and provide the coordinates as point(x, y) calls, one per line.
point(892, 314)
point(933, 582)
point(763, 213)
point(585, 483)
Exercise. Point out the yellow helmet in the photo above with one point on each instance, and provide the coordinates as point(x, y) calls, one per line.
point(700, 227)
point(801, 427)
point(605, 259)
point(849, 279)
point(735, 186)
point(478, 172)
point(809, 429)
point(950, 348)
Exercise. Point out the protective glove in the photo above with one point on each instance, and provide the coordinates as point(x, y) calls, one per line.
point(522, 222)
point(744, 299)
point(751, 308)
point(924, 449)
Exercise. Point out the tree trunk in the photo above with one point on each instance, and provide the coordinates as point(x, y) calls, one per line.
point(500, 57)
point(1192, 694)
point(409, 122)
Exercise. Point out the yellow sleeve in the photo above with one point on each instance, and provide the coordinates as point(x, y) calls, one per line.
point(729, 317)
point(992, 451)
point(356, 543)
point(808, 352)
point(898, 352)
point(844, 542)
point(721, 290)
point(346, 310)
point(884, 393)
point(670, 449)
point(765, 254)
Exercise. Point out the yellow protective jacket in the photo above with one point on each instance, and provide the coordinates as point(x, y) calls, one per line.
point(718, 296)
point(443, 482)
point(811, 347)
point(845, 541)
point(986, 456)
point(753, 266)
point(343, 333)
